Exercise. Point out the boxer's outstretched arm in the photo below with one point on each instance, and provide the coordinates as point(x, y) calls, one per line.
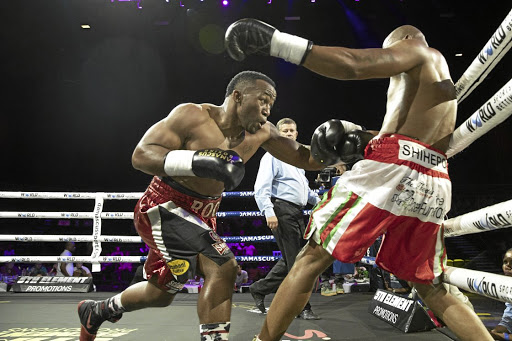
point(249, 36)
point(290, 151)
point(347, 64)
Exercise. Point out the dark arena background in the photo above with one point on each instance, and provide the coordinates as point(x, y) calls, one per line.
point(84, 79)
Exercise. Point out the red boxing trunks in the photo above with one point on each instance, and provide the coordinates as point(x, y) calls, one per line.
point(177, 224)
point(401, 190)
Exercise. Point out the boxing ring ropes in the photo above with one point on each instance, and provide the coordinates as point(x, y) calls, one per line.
point(497, 109)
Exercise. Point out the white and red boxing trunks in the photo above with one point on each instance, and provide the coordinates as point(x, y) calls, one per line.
point(402, 190)
point(177, 224)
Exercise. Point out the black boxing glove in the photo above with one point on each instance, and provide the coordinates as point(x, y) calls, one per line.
point(222, 165)
point(353, 148)
point(250, 36)
point(328, 141)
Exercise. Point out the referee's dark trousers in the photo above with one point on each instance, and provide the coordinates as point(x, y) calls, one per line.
point(289, 238)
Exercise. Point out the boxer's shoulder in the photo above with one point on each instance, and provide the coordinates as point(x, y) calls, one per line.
point(190, 115)
point(191, 111)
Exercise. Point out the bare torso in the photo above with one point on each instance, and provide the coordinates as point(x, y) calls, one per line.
point(422, 103)
point(209, 135)
point(203, 126)
point(421, 99)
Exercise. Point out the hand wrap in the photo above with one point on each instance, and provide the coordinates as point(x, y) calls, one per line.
point(222, 165)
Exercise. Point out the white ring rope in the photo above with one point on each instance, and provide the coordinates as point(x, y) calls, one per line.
point(69, 195)
point(113, 215)
point(493, 112)
point(485, 219)
point(497, 287)
point(479, 282)
point(115, 239)
point(66, 215)
point(69, 259)
point(491, 54)
point(93, 195)
point(68, 238)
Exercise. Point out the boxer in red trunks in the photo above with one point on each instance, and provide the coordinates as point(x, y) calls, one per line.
point(401, 188)
point(194, 154)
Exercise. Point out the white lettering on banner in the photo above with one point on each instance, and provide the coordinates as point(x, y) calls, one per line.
point(48, 288)
point(250, 214)
point(255, 238)
point(415, 152)
point(246, 194)
point(257, 258)
point(53, 279)
point(380, 296)
point(401, 303)
point(385, 314)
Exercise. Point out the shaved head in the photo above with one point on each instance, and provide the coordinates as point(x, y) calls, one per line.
point(404, 32)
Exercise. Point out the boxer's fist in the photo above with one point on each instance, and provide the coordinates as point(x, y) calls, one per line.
point(223, 165)
point(250, 36)
point(338, 141)
point(325, 139)
point(353, 148)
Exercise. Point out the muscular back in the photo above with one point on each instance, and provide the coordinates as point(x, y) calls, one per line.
point(421, 102)
point(421, 96)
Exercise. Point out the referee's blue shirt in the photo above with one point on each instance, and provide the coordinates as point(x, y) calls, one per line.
point(283, 181)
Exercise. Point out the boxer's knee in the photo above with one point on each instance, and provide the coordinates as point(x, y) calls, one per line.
point(426, 291)
point(434, 295)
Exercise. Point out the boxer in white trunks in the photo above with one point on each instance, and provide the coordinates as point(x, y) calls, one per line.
point(401, 189)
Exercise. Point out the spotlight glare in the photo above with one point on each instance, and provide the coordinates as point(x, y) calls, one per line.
point(225, 2)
